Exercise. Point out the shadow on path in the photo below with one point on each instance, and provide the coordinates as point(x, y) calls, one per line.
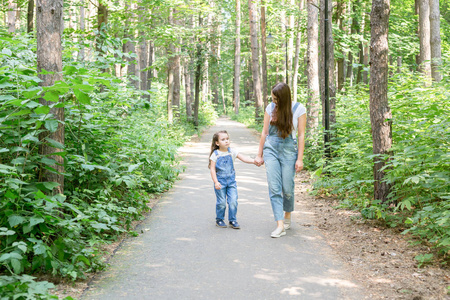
point(182, 255)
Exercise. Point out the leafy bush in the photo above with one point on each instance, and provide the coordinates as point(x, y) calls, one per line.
point(118, 148)
point(418, 169)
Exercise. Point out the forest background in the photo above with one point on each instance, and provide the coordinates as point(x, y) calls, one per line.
point(96, 97)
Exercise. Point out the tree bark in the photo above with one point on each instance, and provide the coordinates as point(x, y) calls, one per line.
point(198, 74)
point(150, 69)
point(49, 22)
point(255, 58)
point(12, 7)
point(435, 40)
point(313, 67)
point(340, 9)
point(263, 53)
point(30, 16)
point(82, 27)
point(380, 112)
point(237, 59)
point(331, 80)
point(298, 39)
point(102, 20)
point(424, 38)
point(143, 55)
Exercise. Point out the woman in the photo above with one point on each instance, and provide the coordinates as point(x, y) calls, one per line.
point(282, 157)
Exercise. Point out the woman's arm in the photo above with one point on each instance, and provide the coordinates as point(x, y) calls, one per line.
point(212, 168)
point(265, 131)
point(301, 127)
point(246, 158)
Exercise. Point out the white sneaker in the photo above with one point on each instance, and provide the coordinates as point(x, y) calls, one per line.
point(278, 232)
point(287, 223)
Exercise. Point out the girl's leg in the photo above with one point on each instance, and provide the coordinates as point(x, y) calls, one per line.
point(232, 197)
point(221, 202)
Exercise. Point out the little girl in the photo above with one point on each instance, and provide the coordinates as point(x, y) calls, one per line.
point(221, 165)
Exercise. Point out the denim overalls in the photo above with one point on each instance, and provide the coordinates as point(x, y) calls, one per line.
point(280, 156)
point(228, 192)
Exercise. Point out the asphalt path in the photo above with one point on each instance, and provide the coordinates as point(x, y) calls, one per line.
point(181, 254)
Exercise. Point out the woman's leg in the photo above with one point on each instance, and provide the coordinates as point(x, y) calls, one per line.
point(273, 170)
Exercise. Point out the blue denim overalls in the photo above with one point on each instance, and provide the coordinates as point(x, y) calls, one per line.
point(228, 192)
point(280, 156)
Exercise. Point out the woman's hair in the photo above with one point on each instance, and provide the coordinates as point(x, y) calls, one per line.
point(282, 114)
point(213, 144)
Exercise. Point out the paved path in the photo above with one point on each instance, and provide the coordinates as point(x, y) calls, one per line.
point(182, 255)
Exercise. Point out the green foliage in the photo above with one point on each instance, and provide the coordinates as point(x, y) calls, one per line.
point(118, 148)
point(418, 169)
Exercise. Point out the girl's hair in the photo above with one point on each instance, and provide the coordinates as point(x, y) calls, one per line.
point(213, 144)
point(282, 114)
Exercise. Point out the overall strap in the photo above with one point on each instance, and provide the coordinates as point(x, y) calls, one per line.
point(229, 151)
point(216, 153)
point(295, 107)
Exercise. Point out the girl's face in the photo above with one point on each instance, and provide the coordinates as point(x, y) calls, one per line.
point(223, 142)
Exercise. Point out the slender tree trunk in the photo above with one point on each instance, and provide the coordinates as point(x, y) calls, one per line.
point(331, 80)
point(380, 112)
point(82, 27)
point(424, 38)
point(298, 39)
point(130, 49)
point(255, 58)
point(313, 67)
point(263, 53)
point(12, 8)
point(340, 9)
point(170, 73)
point(102, 20)
point(187, 88)
point(150, 68)
point(49, 22)
point(291, 23)
point(237, 58)
point(198, 74)
point(435, 40)
point(30, 16)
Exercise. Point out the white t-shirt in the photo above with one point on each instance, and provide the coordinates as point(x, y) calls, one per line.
point(301, 110)
point(233, 152)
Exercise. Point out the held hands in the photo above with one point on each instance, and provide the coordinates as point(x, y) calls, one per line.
point(259, 161)
point(298, 165)
point(217, 185)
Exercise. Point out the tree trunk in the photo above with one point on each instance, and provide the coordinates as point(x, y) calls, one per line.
point(313, 67)
point(340, 9)
point(255, 58)
point(331, 80)
point(424, 38)
point(263, 53)
point(150, 69)
point(198, 74)
point(30, 16)
point(49, 22)
point(12, 7)
point(435, 40)
point(237, 59)
point(102, 20)
point(81, 26)
point(291, 23)
point(298, 39)
point(187, 88)
point(170, 73)
point(143, 55)
point(380, 112)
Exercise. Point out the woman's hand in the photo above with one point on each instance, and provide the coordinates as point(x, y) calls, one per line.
point(298, 165)
point(259, 161)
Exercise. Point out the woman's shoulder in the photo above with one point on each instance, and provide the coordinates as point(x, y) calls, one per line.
point(299, 110)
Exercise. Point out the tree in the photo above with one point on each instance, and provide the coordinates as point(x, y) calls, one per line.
point(263, 53)
point(30, 16)
point(424, 38)
point(330, 50)
point(298, 39)
point(49, 22)
point(340, 11)
point(237, 58)
point(380, 112)
point(12, 7)
point(435, 40)
point(255, 58)
point(313, 66)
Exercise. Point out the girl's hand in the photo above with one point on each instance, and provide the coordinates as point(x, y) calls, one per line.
point(259, 161)
point(298, 165)
point(217, 185)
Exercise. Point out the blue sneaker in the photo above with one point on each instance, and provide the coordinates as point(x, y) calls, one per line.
point(234, 225)
point(221, 224)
